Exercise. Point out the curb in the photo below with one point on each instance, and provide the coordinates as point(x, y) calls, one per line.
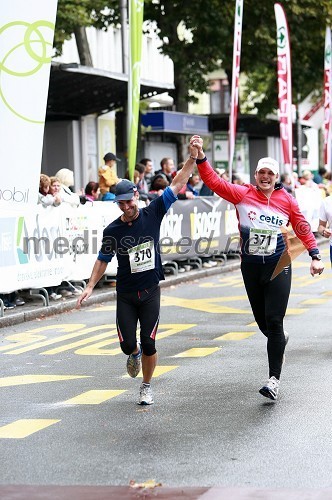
point(98, 297)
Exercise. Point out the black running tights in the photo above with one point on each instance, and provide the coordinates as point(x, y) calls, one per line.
point(268, 299)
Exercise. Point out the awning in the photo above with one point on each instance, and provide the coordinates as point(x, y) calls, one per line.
point(76, 91)
point(173, 122)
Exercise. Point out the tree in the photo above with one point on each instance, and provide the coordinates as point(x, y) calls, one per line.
point(73, 16)
point(211, 24)
point(198, 37)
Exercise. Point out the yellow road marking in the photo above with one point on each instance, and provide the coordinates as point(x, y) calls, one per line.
point(235, 336)
point(314, 301)
point(55, 340)
point(236, 282)
point(96, 349)
point(73, 345)
point(93, 397)
point(172, 328)
point(206, 305)
point(25, 427)
point(36, 379)
point(197, 352)
point(293, 312)
point(160, 370)
point(25, 338)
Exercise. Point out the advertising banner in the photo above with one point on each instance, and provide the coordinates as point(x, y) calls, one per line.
point(327, 100)
point(46, 246)
point(26, 41)
point(235, 83)
point(284, 88)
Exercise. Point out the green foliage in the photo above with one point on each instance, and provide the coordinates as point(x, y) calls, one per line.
point(74, 13)
point(207, 41)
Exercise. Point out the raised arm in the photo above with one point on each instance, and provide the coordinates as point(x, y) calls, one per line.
point(183, 175)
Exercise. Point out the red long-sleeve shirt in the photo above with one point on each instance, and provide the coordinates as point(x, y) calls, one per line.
point(260, 218)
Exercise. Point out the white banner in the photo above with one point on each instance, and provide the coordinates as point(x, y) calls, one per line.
point(45, 246)
point(284, 88)
point(26, 41)
point(328, 100)
point(235, 83)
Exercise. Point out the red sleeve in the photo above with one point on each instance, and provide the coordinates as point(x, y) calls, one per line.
point(226, 190)
point(301, 226)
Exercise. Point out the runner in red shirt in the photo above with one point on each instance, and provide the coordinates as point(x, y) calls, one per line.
point(262, 211)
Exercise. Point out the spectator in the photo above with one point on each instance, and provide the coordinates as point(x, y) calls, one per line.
point(66, 179)
point(318, 178)
point(167, 168)
point(45, 198)
point(91, 192)
point(108, 177)
point(193, 181)
point(185, 193)
point(142, 185)
point(306, 180)
point(296, 180)
point(55, 187)
point(148, 173)
point(222, 173)
point(286, 181)
point(158, 185)
point(325, 221)
point(237, 179)
point(328, 183)
point(11, 300)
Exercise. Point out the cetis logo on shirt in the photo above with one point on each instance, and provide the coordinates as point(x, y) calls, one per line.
point(252, 215)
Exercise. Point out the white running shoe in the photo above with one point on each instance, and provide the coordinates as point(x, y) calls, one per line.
point(270, 389)
point(134, 363)
point(55, 296)
point(145, 395)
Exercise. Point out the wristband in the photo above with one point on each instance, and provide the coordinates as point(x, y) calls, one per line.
point(198, 161)
point(313, 251)
point(193, 157)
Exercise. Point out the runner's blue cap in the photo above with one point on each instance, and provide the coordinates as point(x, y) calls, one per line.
point(125, 190)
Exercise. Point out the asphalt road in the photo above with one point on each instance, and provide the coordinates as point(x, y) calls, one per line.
point(69, 414)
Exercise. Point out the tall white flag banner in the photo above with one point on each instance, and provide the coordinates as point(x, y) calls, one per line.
point(284, 88)
point(327, 100)
point(26, 41)
point(235, 83)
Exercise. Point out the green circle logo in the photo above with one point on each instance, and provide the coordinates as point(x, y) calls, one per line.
point(281, 37)
point(26, 58)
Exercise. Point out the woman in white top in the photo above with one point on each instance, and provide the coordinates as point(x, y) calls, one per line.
point(325, 221)
point(66, 178)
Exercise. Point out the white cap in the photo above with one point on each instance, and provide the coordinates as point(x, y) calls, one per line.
point(268, 163)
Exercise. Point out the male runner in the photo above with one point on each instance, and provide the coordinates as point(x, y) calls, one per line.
point(134, 239)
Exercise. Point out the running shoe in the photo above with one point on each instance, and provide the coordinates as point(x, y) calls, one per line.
point(145, 395)
point(134, 363)
point(270, 389)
